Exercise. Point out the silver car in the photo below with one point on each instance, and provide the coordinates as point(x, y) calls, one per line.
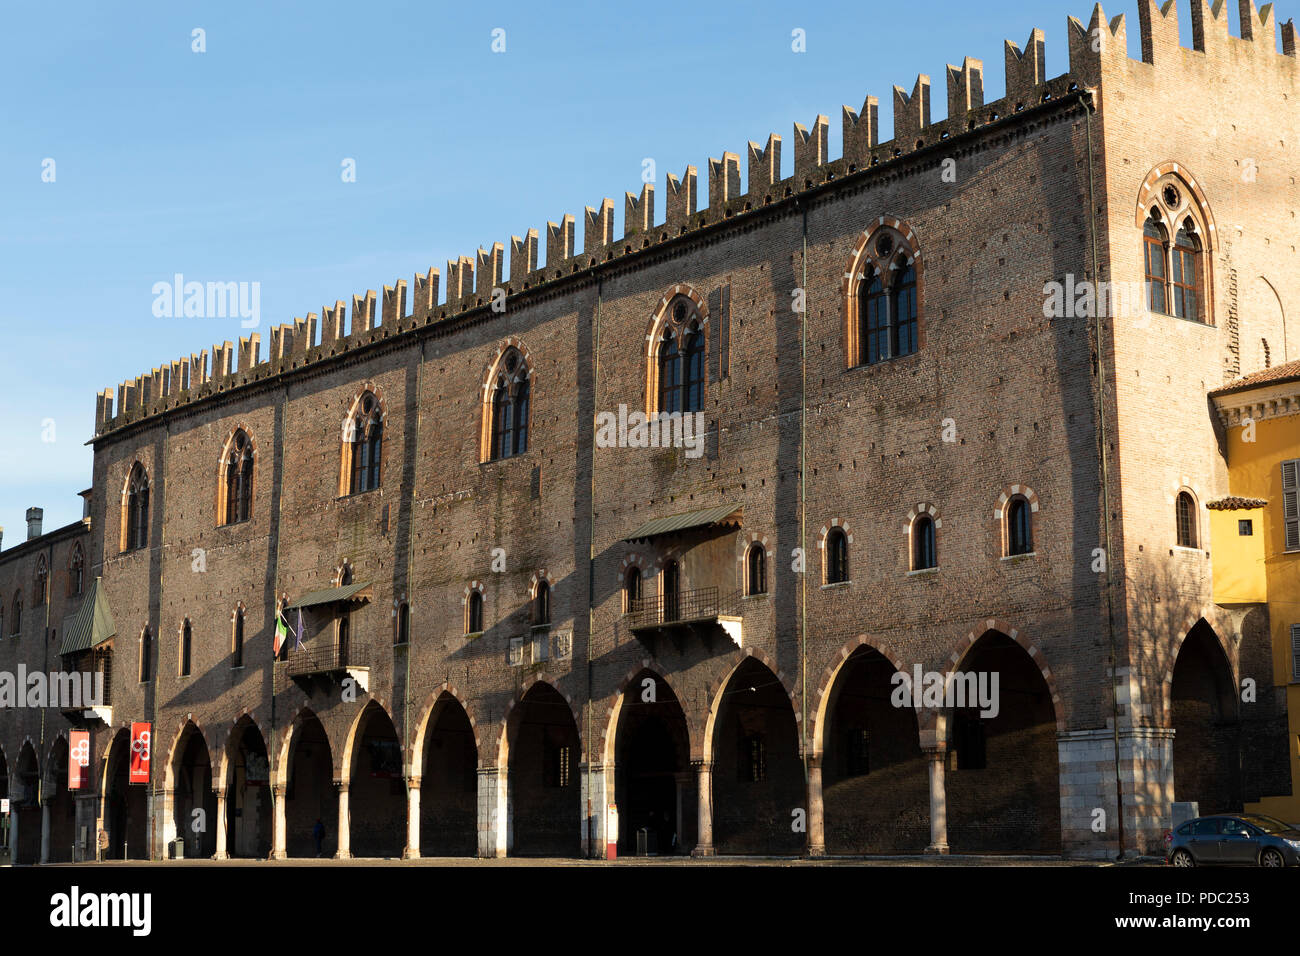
point(1246, 839)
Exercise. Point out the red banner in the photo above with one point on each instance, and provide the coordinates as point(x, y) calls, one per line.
point(78, 758)
point(141, 739)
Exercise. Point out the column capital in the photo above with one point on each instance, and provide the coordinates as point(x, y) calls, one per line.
point(278, 790)
point(413, 783)
point(814, 760)
point(701, 764)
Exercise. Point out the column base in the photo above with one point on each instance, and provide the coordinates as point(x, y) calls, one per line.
point(222, 855)
point(704, 850)
point(937, 849)
point(816, 852)
point(410, 854)
point(343, 855)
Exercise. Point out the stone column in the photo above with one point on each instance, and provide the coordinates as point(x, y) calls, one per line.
point(935, 756)
point(45, 831)
point(14, 816)
point(412, 851)
point(221, 853)
point(816, 820)
point(345, 833)
point(279, 827)
point(704, 774)
point(168, 820)
point(681, 782)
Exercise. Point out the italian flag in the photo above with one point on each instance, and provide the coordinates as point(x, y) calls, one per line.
point(281, 634)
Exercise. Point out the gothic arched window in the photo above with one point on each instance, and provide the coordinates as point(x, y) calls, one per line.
point(365, 445)
point(136, 532)
point(884, 309)
point(238, 479)
point(679, 359)
point(509, 408)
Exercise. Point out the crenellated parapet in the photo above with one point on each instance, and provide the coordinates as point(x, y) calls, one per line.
point(1097, 49)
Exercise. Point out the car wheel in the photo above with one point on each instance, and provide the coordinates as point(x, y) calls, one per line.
point(1183, 858)
point(1271, 858)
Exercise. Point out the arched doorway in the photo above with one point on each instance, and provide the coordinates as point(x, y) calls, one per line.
point(377, 788)
point(194, 802)
point(1203, 713)
point(310, 794)
point(25, 806)
point(248, 793)
point(62, 803)
point(1003, 777)
point(544, 752)
point(126, 811)
point(875, 782)
point(449, 783)
point(653, 786)
point(758, 776)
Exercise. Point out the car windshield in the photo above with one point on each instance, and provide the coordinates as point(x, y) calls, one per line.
point(1267, 824)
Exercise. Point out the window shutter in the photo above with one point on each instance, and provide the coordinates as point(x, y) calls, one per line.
point(1295, 652)
point(1290, 503)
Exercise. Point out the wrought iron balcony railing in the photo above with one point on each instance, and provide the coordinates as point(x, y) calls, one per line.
point(683, 607)
point(325, 659)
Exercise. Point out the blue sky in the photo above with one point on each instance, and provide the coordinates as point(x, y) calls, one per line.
point(225, 165)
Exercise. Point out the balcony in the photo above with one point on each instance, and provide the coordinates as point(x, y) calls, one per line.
point(675, 615)
point(326, 662)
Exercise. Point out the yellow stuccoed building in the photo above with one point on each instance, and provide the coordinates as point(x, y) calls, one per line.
point(1256, 534)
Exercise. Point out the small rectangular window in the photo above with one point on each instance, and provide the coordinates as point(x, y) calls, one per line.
point(1245, 528)
point(1295, 652)
point(752, 765)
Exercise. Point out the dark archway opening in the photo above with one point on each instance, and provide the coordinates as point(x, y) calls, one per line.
point(1203, 713)
point(875, 782)
point(654, 788)
point(63, 805)
point(758, 776)
point(25, 807)
point(449, 783)
point(310, 794)
point(194, 802)
point(544, 752)
point(126, 811)
point(1003, 778)
point(377, 794)
point(248, 794)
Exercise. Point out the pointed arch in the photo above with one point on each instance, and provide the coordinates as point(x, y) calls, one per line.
point(677, 352)
point(427, 718)
point(135, 509)
point(509, 391)
point(236, 476)
point(884, 294)
point(361, 459)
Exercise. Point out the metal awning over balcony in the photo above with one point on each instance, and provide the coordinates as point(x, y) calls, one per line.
point(348, 592)
point(91, 624)
point(673, 524)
